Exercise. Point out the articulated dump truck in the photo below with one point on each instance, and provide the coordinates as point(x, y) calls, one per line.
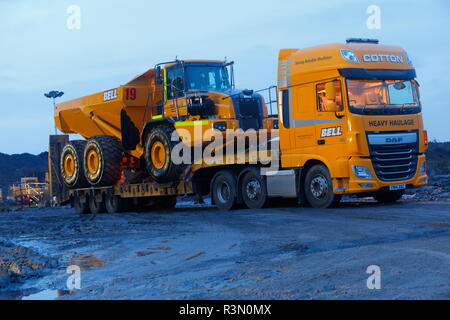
point(349, 122)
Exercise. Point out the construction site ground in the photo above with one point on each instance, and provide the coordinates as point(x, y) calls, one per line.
point(199, 252)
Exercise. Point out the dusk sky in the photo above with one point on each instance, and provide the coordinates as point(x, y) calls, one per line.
point(118, 40)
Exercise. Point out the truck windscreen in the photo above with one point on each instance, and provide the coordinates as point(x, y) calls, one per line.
point(383, 96)
point(207, 77)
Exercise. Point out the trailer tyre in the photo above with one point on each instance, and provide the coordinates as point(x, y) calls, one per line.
point(254, 190)
point(114, 204)
point(79, 206)
point(102, 161)
point(389, 196)
point(158, 155)
point(71, 164)
point(224, 190)
point(319, 188)
point(96, 206)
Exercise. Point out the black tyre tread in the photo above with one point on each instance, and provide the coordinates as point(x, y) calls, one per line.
point(174, 171)
point(96, 208)
point(81, 181)
point(333, 200)
point(80, 208)
point(112, 158)
point(233, 179)
point(249, 203)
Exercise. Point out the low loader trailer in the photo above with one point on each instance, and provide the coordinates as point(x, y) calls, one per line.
point(349, 122)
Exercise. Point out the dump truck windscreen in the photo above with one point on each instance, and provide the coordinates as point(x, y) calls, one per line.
point(207, 77)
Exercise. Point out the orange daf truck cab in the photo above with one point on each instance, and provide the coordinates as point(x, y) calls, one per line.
point(350, 122)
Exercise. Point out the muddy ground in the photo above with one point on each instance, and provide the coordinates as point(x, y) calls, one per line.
point(198, 252)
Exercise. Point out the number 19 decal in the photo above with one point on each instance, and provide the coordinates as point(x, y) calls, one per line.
point(130, 93)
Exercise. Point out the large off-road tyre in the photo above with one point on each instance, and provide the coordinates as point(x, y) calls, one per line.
point(71, 164)
point(254, 190)
point(158, 155)
point(102, 161)
point(388, 196)
point(80, 207)
point(319, 188)
point(224, 191)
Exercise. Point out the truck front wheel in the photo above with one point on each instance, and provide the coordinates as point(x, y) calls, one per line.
point(319, 188)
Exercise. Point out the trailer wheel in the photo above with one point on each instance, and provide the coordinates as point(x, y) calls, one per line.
point(114, 204)
point(80, 207)
point(71, 164)
point(319, 188)
point(254, 190)
point(95, 206)
point(102, 161)
point(224, 190)
point(158, 155)
point(388, 196)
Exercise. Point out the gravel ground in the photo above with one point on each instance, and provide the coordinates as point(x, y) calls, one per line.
point(198, 252)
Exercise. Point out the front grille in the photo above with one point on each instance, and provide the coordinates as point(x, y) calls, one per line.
point(394, 162)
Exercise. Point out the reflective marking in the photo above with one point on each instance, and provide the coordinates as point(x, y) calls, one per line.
point(157, 117)
point(304, 123)
point(284, 72)
point(191, 123)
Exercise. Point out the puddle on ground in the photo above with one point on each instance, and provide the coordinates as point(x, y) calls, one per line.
point(86, 261)
point(42, 295)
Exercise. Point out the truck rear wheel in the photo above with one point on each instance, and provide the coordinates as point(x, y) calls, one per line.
point(71, 164)
point(319, 188)
point(224, 190)
point(102, 161)
point(254, 190)
point(158, 155)
point(388, 196)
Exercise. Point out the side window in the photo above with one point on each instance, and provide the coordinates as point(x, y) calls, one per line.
point(175, 84)
point(285, 108)
point(322, 101)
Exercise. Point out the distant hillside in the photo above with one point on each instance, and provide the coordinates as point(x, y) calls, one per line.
point(15, 166)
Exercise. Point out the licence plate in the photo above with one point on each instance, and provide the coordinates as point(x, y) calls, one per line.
point(397, 187)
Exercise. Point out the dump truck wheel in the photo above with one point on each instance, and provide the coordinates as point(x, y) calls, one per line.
point(254, 190)
point(80, 207)
point(96, 206)
point(224, 190)
point(388, 196)
point(71, 164)
point(114, 204)
point(158, 157)
point(102, 161)
point(319, 188)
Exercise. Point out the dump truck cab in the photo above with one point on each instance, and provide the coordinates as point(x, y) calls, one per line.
point(355, 109)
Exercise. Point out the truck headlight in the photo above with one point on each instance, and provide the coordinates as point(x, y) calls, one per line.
point(362, 172)
point(423, 168)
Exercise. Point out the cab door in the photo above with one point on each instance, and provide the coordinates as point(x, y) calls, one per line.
point(330, 127)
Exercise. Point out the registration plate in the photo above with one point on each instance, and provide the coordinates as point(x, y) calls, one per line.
point(397, 187)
